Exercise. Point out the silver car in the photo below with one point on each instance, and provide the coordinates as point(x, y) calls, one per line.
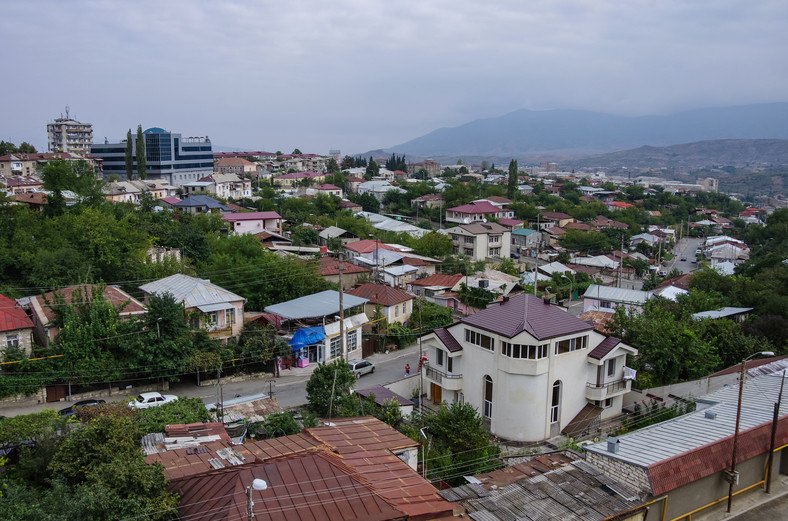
point(361, 367)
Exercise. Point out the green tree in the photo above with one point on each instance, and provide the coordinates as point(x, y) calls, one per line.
point(461, 446)
point(129, 157)
point(26, 148)
point(511, 187)
point(296, 152)
point(181, 411)
point(432, 244)
point(328, 389)
point(280, 424)
point(142, 171)
point(373, 169)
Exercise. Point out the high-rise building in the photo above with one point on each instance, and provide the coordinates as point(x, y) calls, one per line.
point(68, 135)
point(168, 156)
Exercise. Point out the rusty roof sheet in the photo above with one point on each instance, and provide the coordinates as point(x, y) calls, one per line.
point(312, 486)
point(198, 460)
point(528, 313)
point(363, 433)
point(380, 294)
point(12, 316)
point(127, 304)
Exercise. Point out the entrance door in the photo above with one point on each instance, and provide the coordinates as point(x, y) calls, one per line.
point(436, 393)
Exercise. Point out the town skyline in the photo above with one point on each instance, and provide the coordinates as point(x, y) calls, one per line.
point(357, 76)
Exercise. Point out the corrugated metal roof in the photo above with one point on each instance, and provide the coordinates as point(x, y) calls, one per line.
point(316, 305)
point(192, 292)
point(672, 438)
point(720, 313)
point(633, 296)
point(381, 294)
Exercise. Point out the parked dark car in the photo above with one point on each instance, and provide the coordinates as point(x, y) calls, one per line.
point(71, 411)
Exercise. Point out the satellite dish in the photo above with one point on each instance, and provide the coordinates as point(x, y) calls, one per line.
point(259, 484)
point(484, 219)
point(466, 220)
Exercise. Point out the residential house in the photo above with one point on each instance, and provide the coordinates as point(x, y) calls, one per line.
point(314, 328)
point(683, 464)
point(236, 165)
point(387, 224)
point(231, 186)
point(603, 222)
point(25, 164)
point(43, 315)
point(353, 469)
point(555, 219)
point(378, 189)
point(333, 232)
point(478, 211)
point(254, 222)
point(34, 200)
point(207, 306)
point(395, 304)
point(197, 204)
point(357, 248)
point(551, 236)
point(398, 276)
point(433, 168)
point(619, 205)
point(354, 208)
point(524, 240)
point(329, 270)
point(599, 297)
point(380, 259)
point(353, 182)
point(295, 179)
point(429, 201)
point(529, 356)
point(480, 241)
point(433, 286)
point(647, 238)
point(19, 184)
point(16, 328)
point(325, 189)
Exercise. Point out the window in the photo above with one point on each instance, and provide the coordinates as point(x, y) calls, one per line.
point(479, 339)
point(194, 322)
point(213, 318)
point(229, 316)
point(611, 367)
point(404, 307)
point(571, 344)
point(12, 340)
point(609, 402)
point(488, 396)
point(336, 346)
point(606, 304)
point(468, 251)
point(494, 252)
point(352, 340)
point(533, 352)
point(495, 238)
point(555, 404)
point(468, 240)
point(396, 311)
point(439, 356)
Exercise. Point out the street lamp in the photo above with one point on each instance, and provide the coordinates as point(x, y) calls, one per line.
point(257, 484)
point(732, 473)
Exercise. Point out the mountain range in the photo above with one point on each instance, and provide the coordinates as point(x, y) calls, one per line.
point(563, 134)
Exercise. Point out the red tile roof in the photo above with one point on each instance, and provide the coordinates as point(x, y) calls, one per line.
point(381, 294)
point(438, 279)
point(527, 313)
point(233, 161)
point(555, 216)
point(327, 186)
point(510, 222)
point(577, 226)
point(12, 316)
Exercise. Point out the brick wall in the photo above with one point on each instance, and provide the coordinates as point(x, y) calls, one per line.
point(623, 472)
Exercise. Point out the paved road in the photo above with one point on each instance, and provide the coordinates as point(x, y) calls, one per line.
point(686, 247)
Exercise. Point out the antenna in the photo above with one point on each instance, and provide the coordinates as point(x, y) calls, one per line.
point(67, 110)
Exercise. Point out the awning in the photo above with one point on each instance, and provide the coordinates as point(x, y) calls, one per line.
point(307, 336)
point(207, 308)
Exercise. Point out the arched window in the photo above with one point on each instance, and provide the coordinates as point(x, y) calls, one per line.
point(488, 397)
point(555, 404)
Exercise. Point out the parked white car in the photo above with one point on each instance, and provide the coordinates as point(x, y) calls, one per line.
point(145, 400)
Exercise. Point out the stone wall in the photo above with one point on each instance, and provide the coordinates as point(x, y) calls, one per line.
point(632, 475)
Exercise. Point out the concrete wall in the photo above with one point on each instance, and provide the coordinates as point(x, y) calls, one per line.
point(693, 389)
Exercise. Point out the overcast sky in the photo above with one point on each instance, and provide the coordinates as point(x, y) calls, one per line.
point(363, 74)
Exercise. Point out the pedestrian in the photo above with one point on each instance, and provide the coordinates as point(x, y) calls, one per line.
point(407, 369)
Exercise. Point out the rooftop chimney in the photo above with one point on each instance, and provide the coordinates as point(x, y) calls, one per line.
point(613, 445)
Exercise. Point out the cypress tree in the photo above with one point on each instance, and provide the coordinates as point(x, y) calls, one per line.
point(142, 171)
point(129, 158)
point(512, 188)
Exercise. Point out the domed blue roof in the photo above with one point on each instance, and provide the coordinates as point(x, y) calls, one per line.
point(155, 130)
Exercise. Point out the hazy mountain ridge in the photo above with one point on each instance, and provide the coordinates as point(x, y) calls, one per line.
point(526, 134)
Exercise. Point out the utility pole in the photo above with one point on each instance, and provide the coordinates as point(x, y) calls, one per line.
point(774, 436)
point(536, 259)
point(341, 314)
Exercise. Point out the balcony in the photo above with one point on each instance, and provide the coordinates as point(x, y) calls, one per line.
point(220, 331)
point(449, 381)
point(598, 392)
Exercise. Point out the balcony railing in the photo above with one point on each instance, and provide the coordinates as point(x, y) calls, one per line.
point(437, 375)
point(602, 391)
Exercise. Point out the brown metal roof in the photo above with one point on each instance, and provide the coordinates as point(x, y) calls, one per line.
point(312, 486)
point(528, 313)
point(330, 266)
point(362, 433)
point(448, 340)
point(604, 347)
point(438, 279)
point(127, 304)
point(381, 294)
